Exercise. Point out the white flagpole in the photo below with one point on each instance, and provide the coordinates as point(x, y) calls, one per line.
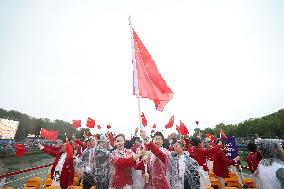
point(135, 73)
point(136, 85)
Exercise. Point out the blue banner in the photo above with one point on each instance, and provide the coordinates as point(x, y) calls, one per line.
point(232, 149)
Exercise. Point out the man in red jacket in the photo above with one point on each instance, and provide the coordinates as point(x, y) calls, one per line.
point(157, 162)
point(62, 171)
point(252, 158)
point(199, 153)
point(221, 163)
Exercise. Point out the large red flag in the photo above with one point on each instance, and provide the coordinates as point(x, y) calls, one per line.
point(144, 120)
point(151, 85)
point(76, 124)
point(182, 128)
point(20, 149)
point(91, 123)
point(50, 135)
point(170, 123)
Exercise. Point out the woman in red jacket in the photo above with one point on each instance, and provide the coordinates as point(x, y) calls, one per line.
point(121, 162)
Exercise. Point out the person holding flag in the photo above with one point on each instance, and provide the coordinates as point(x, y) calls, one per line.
point(121, 161)
point(157, 162)
point(62, 171)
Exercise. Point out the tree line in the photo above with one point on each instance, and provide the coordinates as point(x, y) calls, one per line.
point(270, 126)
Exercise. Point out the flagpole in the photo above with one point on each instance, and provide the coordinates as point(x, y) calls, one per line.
point(135, 73)
point(136, 86)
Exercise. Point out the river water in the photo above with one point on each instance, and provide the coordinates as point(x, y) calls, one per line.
point(14, 163)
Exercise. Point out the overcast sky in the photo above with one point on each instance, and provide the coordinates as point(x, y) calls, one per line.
point(224, 60)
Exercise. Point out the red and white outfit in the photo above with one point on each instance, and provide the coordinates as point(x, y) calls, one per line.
point(62, 171)
point(137, 175)
point(157, 167)
point(121, 162)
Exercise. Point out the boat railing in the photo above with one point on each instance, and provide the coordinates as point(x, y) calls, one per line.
point(17, 179)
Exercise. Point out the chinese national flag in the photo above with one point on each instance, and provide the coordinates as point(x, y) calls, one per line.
point(177, 129)
point(144, 120)
point(211, 137)
point(20, 150)
point(99, 126)
point(69, 149)
point(170, 123)
point(85, 135)
point(150, 82)
point(182, 128)
point(108, 126)
point(50, 135)
point(76, 124)
point(91, 123)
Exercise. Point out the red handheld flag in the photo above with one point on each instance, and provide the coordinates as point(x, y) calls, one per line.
point(154, 126)
point(151, 85)
point(170, 123)
point(50, 135)
point(99, 126)
point(76, 124)
point(177, 129)
point(197, 122)
point(211, 137)
point(20, 150)
point(91, 123)
point(144, 120)
point(69, 149)
point(85, 135)
point(182, 128)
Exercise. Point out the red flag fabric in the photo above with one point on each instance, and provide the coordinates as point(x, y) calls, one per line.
point(20, 149)
point(144, 120)
point(177, 129)
point(154, 126)
point(91, 123)
point(69, 149)
point(197, 122)
point(182, 128)
point(153, 131)
point(99, 126)
point(170, 123)
point(211, 137)
point(223, 135)
point(108, 126)
point(50, 135)
point(111, 136)
point(85, 135)
point(151, 85)
point(76, 124)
